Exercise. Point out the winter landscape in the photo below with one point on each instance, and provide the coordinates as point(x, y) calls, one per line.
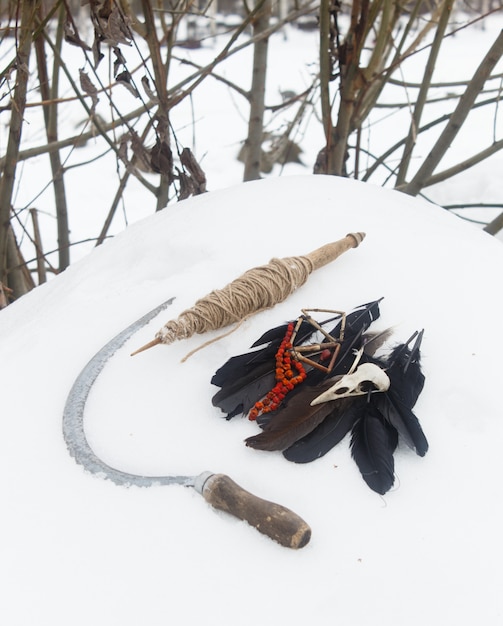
point(77, 549)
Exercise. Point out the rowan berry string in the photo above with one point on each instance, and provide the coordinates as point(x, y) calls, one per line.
point(289, 373)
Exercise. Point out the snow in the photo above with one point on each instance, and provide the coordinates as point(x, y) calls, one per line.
point(78, 549)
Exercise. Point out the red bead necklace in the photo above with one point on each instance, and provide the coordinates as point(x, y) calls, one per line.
point(289, 373)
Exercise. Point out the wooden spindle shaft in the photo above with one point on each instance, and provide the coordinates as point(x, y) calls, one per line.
point(329, 252)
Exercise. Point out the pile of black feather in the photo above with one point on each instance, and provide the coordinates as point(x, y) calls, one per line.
point(304, 426)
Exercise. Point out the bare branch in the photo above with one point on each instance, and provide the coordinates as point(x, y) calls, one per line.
point(457, 118)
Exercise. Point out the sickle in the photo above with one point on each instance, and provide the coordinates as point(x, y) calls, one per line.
point(273, 520)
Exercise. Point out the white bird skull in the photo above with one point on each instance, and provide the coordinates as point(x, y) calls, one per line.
point(368, 378)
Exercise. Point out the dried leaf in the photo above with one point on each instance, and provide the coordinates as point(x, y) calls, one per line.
point(105, 7)
point(97, 54)
point(72, 36)
point(186, 186)
point(4, 293)
point(89, 89)
point(141, 156)
point(198, 176)
point(115, 29)
point(146, 86)
point(124, 78)
point(119, 62)
point(161, 158)
point(122, 151)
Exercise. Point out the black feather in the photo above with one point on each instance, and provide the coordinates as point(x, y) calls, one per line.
point(373, 442)
point(239, 367)
point(240, 398)
point(407, 382)
point(243, 380)
point(329, 433)
point(398, 415)
point(404, 371)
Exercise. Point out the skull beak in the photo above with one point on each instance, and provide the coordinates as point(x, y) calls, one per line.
point(328, 395)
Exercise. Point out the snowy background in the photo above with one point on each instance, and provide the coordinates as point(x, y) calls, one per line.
point(79, 550)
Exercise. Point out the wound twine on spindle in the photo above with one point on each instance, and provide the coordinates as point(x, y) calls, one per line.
point(258, 289)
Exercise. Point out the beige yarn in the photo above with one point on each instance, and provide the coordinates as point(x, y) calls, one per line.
point(257, 289)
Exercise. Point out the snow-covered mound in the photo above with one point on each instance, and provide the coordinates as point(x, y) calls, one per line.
point(79, 550)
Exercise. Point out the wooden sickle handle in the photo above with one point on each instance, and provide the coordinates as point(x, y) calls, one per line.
point(273, 520)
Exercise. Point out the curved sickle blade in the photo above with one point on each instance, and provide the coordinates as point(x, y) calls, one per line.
point(271, 519)
point(73, 415)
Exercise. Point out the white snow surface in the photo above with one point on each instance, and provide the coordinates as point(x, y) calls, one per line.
point(77, 549)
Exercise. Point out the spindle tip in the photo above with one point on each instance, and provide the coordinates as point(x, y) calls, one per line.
point(148, 345)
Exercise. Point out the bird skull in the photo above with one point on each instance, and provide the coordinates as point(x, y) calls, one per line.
point(368, 378)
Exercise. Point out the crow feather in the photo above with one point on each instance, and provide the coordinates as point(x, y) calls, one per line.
point(404, 370)
point(373, 442)
point(240, 398)
point(293, 421)
point(407, 382)
point(329, 433)
point(402, 418)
